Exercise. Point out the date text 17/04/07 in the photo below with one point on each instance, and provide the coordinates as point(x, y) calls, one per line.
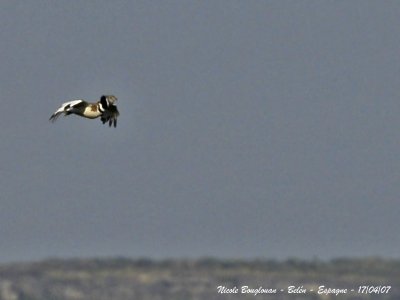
point(371, 289)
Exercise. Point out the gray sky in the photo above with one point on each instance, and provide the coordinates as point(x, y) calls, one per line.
point(247, 129)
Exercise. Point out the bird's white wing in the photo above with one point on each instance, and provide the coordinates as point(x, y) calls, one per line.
point(65, 108)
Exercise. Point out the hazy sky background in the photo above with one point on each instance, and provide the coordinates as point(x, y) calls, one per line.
point(248, 129)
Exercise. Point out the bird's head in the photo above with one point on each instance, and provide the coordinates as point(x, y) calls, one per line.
point(111, 99)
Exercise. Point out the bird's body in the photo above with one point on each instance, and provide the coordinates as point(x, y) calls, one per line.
point(104, 108)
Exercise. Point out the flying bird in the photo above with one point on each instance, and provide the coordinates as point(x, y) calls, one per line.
point(105, 109)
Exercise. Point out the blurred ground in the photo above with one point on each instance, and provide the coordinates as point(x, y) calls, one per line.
point(207, 278)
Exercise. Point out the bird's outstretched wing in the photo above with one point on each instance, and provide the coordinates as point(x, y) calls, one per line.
point(110, 115)
point(67, 108)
